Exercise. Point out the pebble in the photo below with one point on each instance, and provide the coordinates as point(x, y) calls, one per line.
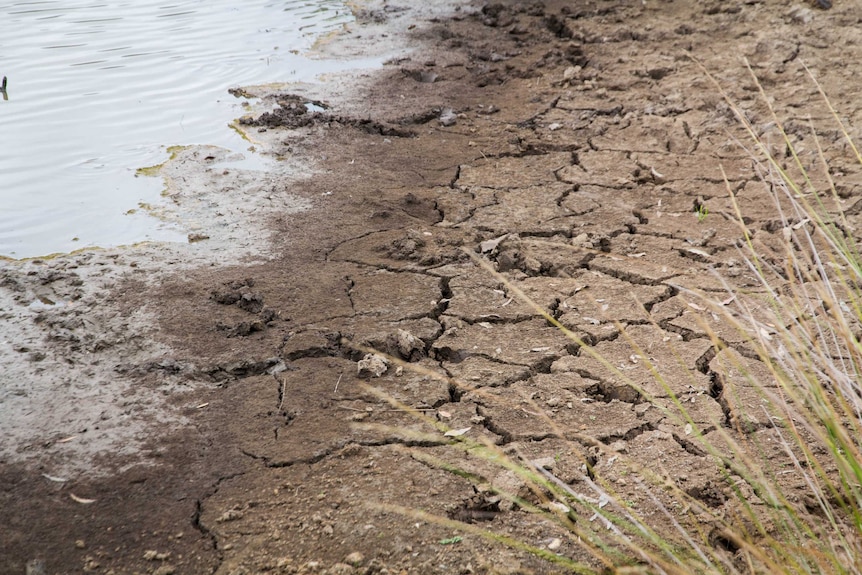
point(229, 515)
point(356, 558)
point(448, 117)
point(545, 463)
point(571, 73)
point(151, 555)
point(372, 365)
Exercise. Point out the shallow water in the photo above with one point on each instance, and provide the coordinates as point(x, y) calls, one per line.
point(97, 89)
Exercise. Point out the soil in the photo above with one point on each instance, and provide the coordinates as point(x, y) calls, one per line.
point(200, 408)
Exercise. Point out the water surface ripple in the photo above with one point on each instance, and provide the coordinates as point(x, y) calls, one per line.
point(98, 89)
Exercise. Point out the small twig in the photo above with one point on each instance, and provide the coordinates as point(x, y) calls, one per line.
point(347, 407)
point(282, 384)
point(337, 382)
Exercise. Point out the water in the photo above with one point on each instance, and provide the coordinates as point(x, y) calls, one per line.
point(98, 89)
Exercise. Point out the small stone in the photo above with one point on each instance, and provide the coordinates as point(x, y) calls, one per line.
point(448, 117)
point(356, 558)
point(150, 555)
point(561, 507)
point(229, 515)
point(407, 343)
point(619, 446)
point(532, 265)
point(372, 365)
point(328, 530)
point(571, 73)
point(197, 237)
point(801, 15)
point(641, 409)
point(165, 570)
point(555, 544)
point(80, 544)
point(545, 463)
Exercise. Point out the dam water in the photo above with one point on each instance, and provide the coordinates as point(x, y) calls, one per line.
point(97, 89)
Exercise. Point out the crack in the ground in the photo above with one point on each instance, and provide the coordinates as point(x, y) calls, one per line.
point(605, 391)
point(333, 449)
point(334, 248)
point(446, 296)
point(505, 436)
point(629, 435)
point(668, 293)
point(690, 446)
point(702, 363)
point(530, 123)
point(630, 276)
point(349, 292)
point(453, 183)
point(494, 319)
point(456, 356)
point(240, 369)
point(195, 519)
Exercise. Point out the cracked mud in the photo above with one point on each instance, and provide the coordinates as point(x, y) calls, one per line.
point(572, 147)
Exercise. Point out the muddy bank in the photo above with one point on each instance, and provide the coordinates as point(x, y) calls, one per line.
point(574, 148)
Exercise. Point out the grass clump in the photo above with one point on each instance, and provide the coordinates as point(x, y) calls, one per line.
point(774, 450)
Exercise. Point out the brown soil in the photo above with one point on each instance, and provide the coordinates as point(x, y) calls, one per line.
point(584, 135)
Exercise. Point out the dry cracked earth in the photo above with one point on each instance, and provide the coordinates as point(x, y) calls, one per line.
point(577, 147)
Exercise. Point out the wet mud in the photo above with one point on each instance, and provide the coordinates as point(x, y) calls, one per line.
point(199, 409)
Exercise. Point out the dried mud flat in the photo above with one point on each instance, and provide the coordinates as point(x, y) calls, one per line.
point(570, 144)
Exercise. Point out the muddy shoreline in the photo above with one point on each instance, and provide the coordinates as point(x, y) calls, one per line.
point(199, 408)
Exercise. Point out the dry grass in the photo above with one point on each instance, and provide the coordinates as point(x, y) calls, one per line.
point(785, 452)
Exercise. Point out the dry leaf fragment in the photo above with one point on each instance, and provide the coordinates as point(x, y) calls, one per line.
point(457, 432)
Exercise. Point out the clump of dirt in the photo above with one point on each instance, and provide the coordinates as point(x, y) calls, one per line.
point(294, 112)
